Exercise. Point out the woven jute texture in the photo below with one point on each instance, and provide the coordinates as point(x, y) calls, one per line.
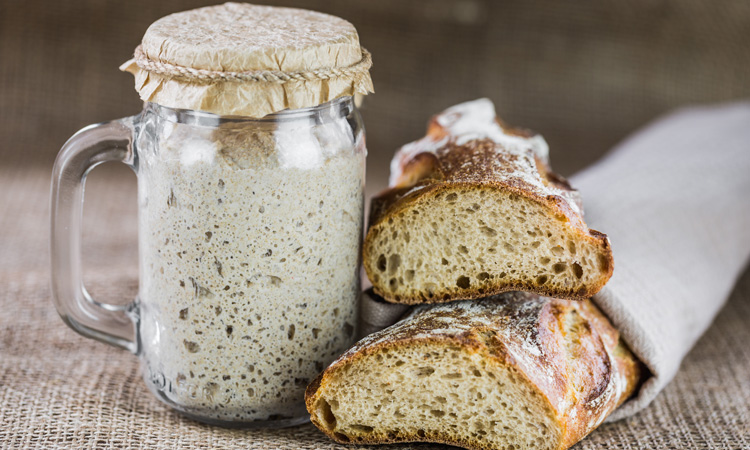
point(585, 74)
point(59, 390)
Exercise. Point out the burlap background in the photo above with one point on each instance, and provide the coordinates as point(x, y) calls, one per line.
point(584, 74)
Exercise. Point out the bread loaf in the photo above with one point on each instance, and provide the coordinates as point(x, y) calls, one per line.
point(474, 210)
point(514, 371)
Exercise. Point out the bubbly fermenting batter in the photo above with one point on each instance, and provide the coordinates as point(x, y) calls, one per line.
point(249, 258)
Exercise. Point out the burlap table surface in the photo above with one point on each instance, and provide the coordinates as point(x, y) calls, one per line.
point(59, 390)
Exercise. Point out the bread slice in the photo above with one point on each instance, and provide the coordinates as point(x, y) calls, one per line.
point(514, 371)
point(474, 210)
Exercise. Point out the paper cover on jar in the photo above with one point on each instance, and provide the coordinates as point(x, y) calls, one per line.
point(249, 60)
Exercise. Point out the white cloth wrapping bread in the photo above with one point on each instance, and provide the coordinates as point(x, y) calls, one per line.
point(376, 314)
point(674, 199)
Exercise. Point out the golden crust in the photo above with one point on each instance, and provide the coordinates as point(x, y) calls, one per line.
point(592, 370)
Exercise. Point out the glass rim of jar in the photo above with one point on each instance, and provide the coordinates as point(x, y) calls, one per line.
point(336, 108)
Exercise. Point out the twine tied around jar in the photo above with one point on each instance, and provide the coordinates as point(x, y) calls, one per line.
point(260, 76)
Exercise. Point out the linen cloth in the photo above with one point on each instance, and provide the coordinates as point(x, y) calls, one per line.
point(674, 199)
point(375, 313)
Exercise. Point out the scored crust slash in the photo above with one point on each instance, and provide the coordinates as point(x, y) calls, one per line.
point(474, 210)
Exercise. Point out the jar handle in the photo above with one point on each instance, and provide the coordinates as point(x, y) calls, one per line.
point(91, 146)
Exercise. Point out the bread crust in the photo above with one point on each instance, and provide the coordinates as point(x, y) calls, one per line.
point(568, 351)
point(514, 161)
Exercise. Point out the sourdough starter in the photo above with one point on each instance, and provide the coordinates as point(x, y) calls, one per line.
point(249, 253)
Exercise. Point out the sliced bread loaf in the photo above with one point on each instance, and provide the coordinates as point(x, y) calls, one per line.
point(514, 371)
point(474, 210)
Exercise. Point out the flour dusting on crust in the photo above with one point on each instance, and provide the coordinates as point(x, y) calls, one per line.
point(491, 150)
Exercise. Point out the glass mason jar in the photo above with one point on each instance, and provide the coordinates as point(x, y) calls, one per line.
point(249, 244)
